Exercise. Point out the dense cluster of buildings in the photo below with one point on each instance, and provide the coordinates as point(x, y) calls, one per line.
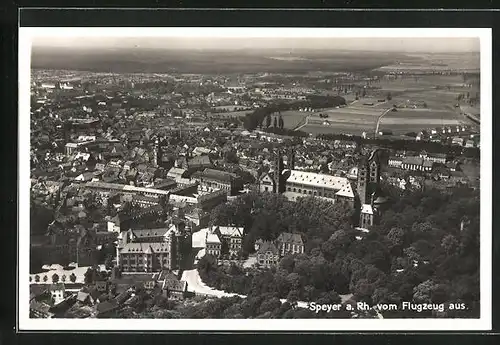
point(126, 178)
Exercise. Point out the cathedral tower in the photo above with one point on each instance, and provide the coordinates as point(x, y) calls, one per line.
point(291, 159)
point(278, 172)
point(368, 177)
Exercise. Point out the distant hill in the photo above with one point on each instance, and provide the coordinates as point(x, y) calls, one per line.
point(130, 60)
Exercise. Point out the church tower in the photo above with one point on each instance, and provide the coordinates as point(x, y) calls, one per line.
point(291, 159)
point(368, 177)
point(156, 153)
point(362, 180)
point(368, 189)
point(278, 172)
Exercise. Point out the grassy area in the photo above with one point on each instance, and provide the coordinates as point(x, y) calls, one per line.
point(472, 171)
point(291, 118)
point(337, 127)
point(232, 114)
point(408, 120)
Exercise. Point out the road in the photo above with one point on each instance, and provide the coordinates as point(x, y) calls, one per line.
point(196, 285)
point(302, 123)
point(380, 118)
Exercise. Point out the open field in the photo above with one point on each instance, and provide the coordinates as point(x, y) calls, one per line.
point(230, 107)
point(437, 62)
point(338, 127)
point(414, 120)
point(472, 172)
point(292, 118)
point(232, 114)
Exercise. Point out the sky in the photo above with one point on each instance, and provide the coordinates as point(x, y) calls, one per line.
point(427, 44)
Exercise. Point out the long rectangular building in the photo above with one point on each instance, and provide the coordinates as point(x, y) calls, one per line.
point(123, 188)
point(309, 183)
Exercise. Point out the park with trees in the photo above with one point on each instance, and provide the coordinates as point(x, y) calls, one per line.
point(424, 249)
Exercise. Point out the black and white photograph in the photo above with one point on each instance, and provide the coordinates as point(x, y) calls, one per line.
point(255, 179)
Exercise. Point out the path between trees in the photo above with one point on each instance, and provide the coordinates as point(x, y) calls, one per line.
point(196, 285)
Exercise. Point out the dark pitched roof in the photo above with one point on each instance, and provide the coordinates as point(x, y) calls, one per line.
point(413, 160)
point(95, 293)
point(146, 233)
point(175, 285)
point(200, 161)
point(121, 298)
point(217, 175)
point(37, 290)
point(82, 296)
point(56, 287)
point(40, 307)
point(266, 247)
point(107, 306)
point(291, 238)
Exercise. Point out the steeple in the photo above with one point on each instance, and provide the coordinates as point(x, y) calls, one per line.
point(278, 172)
point(156, 152)
point(291, 159)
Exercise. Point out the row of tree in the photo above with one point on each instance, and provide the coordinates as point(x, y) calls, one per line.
point(257, 117)
point(54, 278)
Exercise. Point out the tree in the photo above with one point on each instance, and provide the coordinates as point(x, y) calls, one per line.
point(207, 263)
point(281, 122)
point(422, 293)
point(231, 157)
point(293, 296)
point(287, 263)
point(268, 120)
point(275, 122)
point(270, 305)
point(72, 277)
point(108, 262)
point(450, 244)
point(381, 295)
point(37, 278)
point(396, 236)
point(89, 276)
point(63, 278)
point(55, 278)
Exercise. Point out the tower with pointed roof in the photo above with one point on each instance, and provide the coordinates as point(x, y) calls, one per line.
point(368, 177)
point(368, 188)
point(278, 172)
point(156, 152)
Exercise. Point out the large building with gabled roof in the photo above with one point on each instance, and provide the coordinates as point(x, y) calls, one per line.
point(321, 185)
point(295, 183)
point(154, 250)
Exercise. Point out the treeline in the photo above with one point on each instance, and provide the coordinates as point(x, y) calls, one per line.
point(286, 131)
point(257, 117)
point(40, 218)
point(266, 306)
point(425, 249)
point(408, 145)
